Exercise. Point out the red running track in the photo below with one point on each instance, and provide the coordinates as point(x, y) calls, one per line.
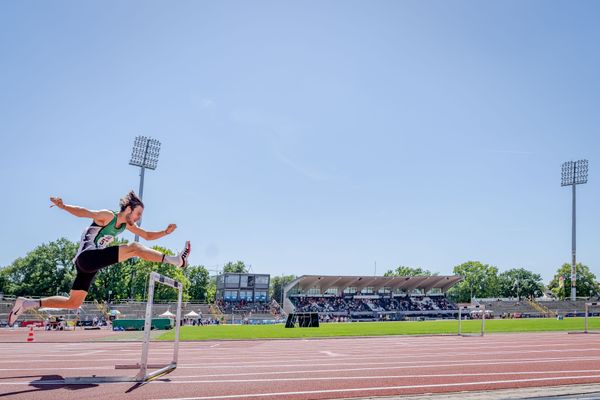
point(305, 369)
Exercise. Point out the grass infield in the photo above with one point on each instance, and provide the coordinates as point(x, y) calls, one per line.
point(216, 332)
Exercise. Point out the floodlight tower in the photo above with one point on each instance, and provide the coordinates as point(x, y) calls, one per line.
point(574, 173)
point(144, 155)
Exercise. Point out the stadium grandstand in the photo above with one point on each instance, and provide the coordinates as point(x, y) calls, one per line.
point(244, 298)
point(368, 298)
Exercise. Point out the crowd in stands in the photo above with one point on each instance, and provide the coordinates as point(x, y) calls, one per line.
point(244, 306)
point(329, 304)
point(353, 304)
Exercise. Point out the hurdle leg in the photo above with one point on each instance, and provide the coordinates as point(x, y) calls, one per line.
point(483, 321)
point(177, 325)
point(147, 328)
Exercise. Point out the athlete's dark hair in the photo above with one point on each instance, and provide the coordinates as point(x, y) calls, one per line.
point(130, 200)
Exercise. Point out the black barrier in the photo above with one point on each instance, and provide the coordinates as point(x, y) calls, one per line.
point(291, 320)
point(304, 320)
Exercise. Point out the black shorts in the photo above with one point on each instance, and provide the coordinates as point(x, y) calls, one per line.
point(89, 262)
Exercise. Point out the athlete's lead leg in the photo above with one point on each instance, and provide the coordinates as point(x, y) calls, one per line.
point(137, 250)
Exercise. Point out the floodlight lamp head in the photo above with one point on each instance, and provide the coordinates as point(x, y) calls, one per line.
point(145, 152)
point(574, 173)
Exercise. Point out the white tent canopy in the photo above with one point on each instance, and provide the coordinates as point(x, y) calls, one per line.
point(167, 314)
point(192, 314)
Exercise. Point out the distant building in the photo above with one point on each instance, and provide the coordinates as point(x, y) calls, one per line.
point(248, 287)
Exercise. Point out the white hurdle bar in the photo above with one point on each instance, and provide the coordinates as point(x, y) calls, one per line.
point(143, 366)
point(480, 307)
point(587, 307)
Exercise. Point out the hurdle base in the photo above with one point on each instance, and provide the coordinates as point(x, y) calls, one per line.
point(93, 380)
point(158, 373)
point(141, 377)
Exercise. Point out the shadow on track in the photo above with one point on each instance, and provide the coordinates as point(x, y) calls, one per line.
point(44, 383)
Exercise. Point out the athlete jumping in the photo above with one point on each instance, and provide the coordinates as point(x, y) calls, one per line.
point(95, 253)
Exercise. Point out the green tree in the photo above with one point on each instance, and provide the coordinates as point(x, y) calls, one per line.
point(519, 282)
point(46, 270)
point(199, 282)
point(49, 270)
point(277, 285)
point(235, 267)
point(479, 280)
point(4, 281)
point(211, 290)
point(408, 271)
point(586, 282)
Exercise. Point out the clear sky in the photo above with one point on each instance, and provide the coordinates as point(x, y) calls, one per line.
point(308, 137)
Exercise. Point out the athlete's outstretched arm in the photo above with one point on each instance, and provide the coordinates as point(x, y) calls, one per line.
point(150, 235)
point(102, 216)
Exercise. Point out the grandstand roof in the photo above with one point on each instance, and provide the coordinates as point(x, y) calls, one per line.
point(324, 282)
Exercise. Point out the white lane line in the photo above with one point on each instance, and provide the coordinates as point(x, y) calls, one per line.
point(472, 350)
point(332, 354)
point(396, 366)
point(367, 377)
point(415, 358)
point(89, 353)
point(67, 354)
point(381, 388)
point(57, 368)
point(175, 380)
point(410, 364)
point(386, 365)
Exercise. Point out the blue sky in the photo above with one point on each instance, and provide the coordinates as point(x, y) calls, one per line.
point(308, 137)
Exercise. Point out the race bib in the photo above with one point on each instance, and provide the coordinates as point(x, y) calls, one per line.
point(105, 241)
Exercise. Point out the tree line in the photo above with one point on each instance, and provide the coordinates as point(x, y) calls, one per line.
point(484, 281)
point(48, 270)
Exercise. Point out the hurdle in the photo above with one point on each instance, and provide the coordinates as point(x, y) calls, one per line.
point(143, 375)
point(479, 307)
point(586, 322)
